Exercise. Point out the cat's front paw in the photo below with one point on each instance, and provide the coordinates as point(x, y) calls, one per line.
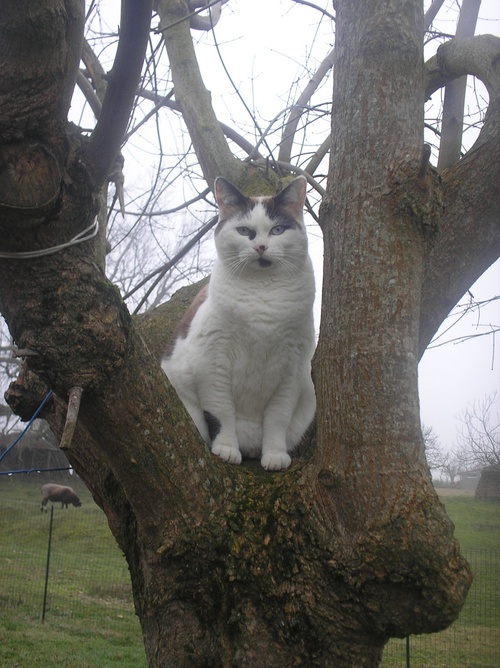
point(276, 461)
point(227, 453)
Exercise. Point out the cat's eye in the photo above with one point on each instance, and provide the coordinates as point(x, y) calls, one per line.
point(279, 229)
point(244, 231)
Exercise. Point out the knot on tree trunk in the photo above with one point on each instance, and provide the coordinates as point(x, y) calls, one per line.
point(30, 183)
point(417, 194)
point(25, 394)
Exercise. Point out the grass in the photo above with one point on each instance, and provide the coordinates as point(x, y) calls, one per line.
point(473, 641)
point(90, 620)
point(477, 523)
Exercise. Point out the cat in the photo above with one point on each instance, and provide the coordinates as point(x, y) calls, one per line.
point(240, 359)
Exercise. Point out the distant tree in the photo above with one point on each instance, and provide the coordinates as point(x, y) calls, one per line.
point(433, 449)
point(451, 466)
point(479, 439)
point(438, 458)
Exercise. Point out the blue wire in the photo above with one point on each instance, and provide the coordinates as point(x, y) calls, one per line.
point(65, 468)
point(33, 418)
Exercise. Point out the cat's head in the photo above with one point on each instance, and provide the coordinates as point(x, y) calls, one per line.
point(261, 234)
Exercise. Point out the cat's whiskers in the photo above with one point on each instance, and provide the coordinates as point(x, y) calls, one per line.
point(292, 266)
point(235, 266)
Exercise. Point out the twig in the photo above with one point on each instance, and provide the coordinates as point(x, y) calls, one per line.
point(109, 131)
point(166, 267)
point(424, 161)
point(75, 395)
point(24, 352)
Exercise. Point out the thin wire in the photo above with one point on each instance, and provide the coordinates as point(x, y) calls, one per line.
point(77, 239)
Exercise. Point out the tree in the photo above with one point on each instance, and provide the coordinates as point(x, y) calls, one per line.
point(433, 451)
point(451, 466)
point(322, 564)
point(448, 463)
point(479, 440)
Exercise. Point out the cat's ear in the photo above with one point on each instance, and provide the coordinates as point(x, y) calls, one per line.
point(229, 198)
point(293, 197)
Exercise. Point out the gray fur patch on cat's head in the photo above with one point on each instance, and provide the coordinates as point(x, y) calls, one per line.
point(290, 201)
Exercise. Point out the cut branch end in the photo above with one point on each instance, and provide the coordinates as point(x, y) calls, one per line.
point(75, 395)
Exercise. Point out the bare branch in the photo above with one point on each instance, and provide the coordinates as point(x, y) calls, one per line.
point(297, 110)
point(89, 93)
point(108, 133)
point(198, 22)
point(75, 395)
point(321, 152)
point(431, 13)
point(95, 70)
point(474, 55)
point(313, 6)
point(193, 98)
point(294, 170)
point(454, 97)
point(229, 132)
point(479, 441)
point(471, 201)
point(166, 267)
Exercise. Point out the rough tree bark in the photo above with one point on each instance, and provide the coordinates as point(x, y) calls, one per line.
point(234, 566)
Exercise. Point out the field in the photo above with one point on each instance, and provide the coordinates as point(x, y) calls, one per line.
point(473, 641)
point(90, 622)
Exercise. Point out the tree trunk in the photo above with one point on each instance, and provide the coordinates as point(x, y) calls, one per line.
point(234, 566)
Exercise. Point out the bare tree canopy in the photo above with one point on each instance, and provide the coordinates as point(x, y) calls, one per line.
point(322, 564)
point(479, 441)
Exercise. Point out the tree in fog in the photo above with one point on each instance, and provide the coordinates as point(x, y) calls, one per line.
point(479, 438)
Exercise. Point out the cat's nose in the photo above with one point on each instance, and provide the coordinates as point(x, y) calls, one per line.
point(261, 249)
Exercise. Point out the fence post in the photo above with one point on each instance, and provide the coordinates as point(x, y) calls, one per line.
point(48, 564)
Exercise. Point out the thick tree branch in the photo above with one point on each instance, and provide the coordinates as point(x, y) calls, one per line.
point(109, 131)
point(469, 236)
point(193, 98)
point(454, 96)
point(431, 13)
point(474, 55)
point(36, 91)
point(229, 132)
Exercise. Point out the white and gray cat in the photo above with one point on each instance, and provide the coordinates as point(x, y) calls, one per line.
point(241, 357)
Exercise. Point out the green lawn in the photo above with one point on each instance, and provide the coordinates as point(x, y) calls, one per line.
point(473, 641)
point(90, 622)
point(477, 523)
